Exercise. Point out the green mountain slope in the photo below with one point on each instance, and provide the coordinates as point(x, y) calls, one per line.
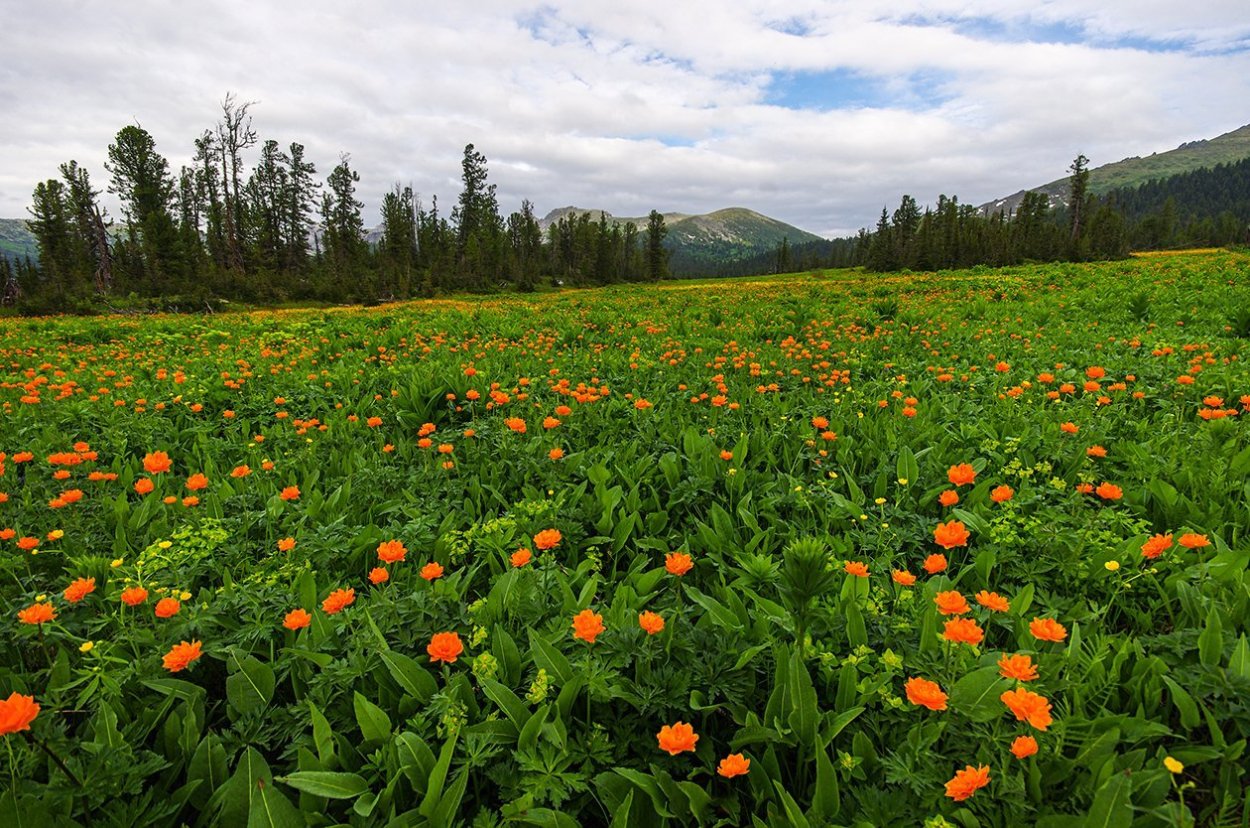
point(1131, 172)
point(16, 240)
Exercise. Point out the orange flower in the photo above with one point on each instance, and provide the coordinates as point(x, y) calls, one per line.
point(144, 485)
point(678, 563)
point(290, 493)
point(726, 455)
point(181, 655)
point(432, 570)
point(1085, 488)
point(735, 764)
point(134, 596)
point(1156, 546)
point(515, 424)
point(556, 453)
point(935, 563)
point(547, 538)
point(820, 423)
point(1023, 747)
point(951, 603)
point(951, 534)
point(1109, 491)
point(157, 462)
point(925, 693)
point(27, 543)
point(379, 575)
point(961, 474)
point(1001, 494)
point(963, 631)
point(16, 713)
point(286, 544)
point(79, 590)
point(651, 622)
point(241, 471)
point(1028, 706)
point(903, 577)
point(521, 557)
point(1069, 428)
point(587, 625)
point(167, 607)
point(37, 613)
point(445, 647)
point(677, 738)
point(373, 422)
point(197, 481)
point(1018, 667)
point(1192, 540)
point(967, 782)
point(993, 601)
point(338, 600)
point(391, 551)
point(297, 619)
point(1095, 451)
point(1047, 629)
point(949, 497)
point(857, 568)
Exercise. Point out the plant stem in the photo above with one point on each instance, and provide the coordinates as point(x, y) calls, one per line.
point(57, 759)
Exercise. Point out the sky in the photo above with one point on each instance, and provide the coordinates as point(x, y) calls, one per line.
point(816, 113)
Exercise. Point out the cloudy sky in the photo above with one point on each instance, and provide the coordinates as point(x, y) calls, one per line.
point(817, 113)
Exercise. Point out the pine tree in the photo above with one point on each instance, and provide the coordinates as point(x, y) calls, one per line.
point(657, 255)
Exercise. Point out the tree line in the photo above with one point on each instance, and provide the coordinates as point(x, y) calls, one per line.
point(277, 232)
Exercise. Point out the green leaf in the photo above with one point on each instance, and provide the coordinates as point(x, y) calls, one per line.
point(647, 784)
point(976, 695)
point(508, 702)
point(1239, 661)
point(329, 784)
point(375, 725)
point(906, 467)
point(805, 715)
point(550, 659)
point(250, 683)
point(620, 818)
point(1184, 702)
point(1211, 640)
point(323, 735)
point(856, 634)
point(270, 809)
point(411, 676)
point(438, 778)
point(826, 801)
point(1111, 808)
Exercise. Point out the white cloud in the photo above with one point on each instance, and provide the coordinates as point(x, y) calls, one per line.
point(629, 106)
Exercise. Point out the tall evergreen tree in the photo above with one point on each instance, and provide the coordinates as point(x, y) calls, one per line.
point(1078, 190)
point(397, 253)
point(343, 233)
point(657, 255)
point(142, 182)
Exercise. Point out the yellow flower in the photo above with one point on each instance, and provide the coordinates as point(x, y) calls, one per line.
point(41, 597)
point(117, 562)
point(56, 534)
point(165, 544)
point(1173, 765)
point(880, 501)
point(1111, 566)
point(185, 596)
point(86, 646)
point(902, 481)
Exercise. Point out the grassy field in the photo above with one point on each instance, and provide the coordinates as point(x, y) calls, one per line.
point(827, 549)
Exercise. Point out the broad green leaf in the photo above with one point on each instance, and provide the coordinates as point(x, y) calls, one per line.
point(375, 725)
point(976, 695)
point(411, 676)
point(1111, 807)
point(329, 784)
point(250, 683)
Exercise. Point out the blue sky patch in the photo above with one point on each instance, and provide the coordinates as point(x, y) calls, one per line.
point(848, 89)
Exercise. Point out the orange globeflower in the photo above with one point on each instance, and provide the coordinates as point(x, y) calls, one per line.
point(1028, 706)
point(521, 557)
point(297, 619)
point(134, 596)
point(1023, 747)
point(1047, 629)
point(651, 622)
point(963, 631)
point(144, 485)
point(678, 563)
point(961, 474)
point(857, 568)
point(1069, 428)
point(1018, 667)
point(993, 601)
point(379, 575)
point(391, 551)
point(432, 570)
point(338, 600)
point(1109, 491)
point(951, 534)
point(445, 647)
point(1156, 546)
point(241, 471)
point(1003, 493)
point(735, 764)
point(79, 590)
point(949, 497)
point(27, 543)
point(286, 544)
point(290, 493)
point(16, 713)
point(157, 462)
point(925, 693)
point(167, 607)
point(587, 626)
point(547, 539)
point(951, 603)
point(181, 655)
point(556, 453)
point(515, 424)
point(677, 738)
point(197, 481)
point(935, 563)
point(903, 577)
point(37, 613)
point(967, 782)
point(1192, 540)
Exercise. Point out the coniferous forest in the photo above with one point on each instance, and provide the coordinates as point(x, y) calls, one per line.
point(281, 232)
